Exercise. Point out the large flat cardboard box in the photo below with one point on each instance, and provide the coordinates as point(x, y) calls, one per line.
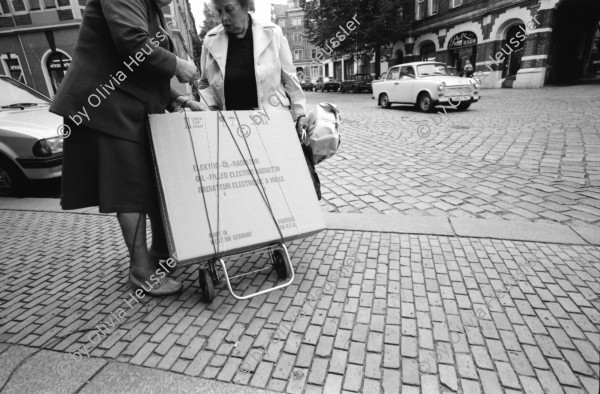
point(229, 179)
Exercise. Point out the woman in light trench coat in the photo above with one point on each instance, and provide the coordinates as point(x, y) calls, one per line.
point(248, 65)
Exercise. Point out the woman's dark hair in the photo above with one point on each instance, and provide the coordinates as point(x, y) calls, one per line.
point(246, 4)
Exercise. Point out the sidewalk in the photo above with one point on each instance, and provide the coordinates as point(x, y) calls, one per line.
point(380, 303)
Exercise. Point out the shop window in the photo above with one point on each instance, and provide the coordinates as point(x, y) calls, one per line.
point(12, 67)
point(427, 51)
point(57, 65)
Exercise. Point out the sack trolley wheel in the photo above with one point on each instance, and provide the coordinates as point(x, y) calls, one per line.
point(207, 286)
point(279, 264)
point(207, 278)
point(280, 260)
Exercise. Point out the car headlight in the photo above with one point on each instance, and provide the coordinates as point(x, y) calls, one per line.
point(48, 147)
point(442, 87)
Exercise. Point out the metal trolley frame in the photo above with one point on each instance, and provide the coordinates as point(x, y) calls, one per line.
point(208, 276)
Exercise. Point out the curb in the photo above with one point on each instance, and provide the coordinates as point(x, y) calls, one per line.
point(29, 370)
point(395, 223)
point(463, 227)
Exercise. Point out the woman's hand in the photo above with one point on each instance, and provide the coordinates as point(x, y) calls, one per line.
point(196, 106)
point(185, 71)
point(301, 127)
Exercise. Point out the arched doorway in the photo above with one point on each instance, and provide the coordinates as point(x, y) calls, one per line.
point(512, 47)
point(573, 37)
point(462, 47)
point(427, 51)
point(57, 64)
point(398, 58)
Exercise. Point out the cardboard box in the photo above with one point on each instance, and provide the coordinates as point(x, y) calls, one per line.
point(255, 162)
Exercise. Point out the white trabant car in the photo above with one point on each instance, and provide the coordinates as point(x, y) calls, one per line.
point(425, 85)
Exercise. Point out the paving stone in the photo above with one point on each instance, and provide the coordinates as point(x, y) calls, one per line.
point(448, 377)
point(318, 371)
point(549, 382)
point(298, 380)
point(482, 357)
point(470, 386)
point(410, 371)
point(390, 381)
point(353, 378)
point(591, 384)
point(563, 372)
point(508, 377)
point(283, 368)
point(430, 384)
point(489, 381)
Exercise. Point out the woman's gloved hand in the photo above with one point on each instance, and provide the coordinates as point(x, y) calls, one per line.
point(301, 127)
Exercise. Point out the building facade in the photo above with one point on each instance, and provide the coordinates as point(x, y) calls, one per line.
point(517, 43)
point(37, 38)
point(290, 17)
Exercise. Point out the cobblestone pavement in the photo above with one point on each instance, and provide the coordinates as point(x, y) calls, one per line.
point(517, 154)
point(381, 312)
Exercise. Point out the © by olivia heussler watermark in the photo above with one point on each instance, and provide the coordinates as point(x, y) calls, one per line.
point(340, 36)
point(102, 330)
point(286, 326)
point(103, 91)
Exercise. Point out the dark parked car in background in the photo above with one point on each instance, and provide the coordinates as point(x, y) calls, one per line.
point(357, 83)
point(307, 84)
point(30, 145)
point(327, 83)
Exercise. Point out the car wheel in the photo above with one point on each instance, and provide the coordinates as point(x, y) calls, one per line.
point(463, 106)
point(12, 180)
point(354, 89)
point(323, 89)
point(425, 103)
point(384, 101)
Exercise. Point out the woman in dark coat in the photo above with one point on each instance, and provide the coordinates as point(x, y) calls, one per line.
point(122, 66)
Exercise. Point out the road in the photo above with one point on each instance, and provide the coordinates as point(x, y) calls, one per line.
point(524, 155)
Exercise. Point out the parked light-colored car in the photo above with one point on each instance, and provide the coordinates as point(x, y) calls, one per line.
point(30, 146)
point(425, 85)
